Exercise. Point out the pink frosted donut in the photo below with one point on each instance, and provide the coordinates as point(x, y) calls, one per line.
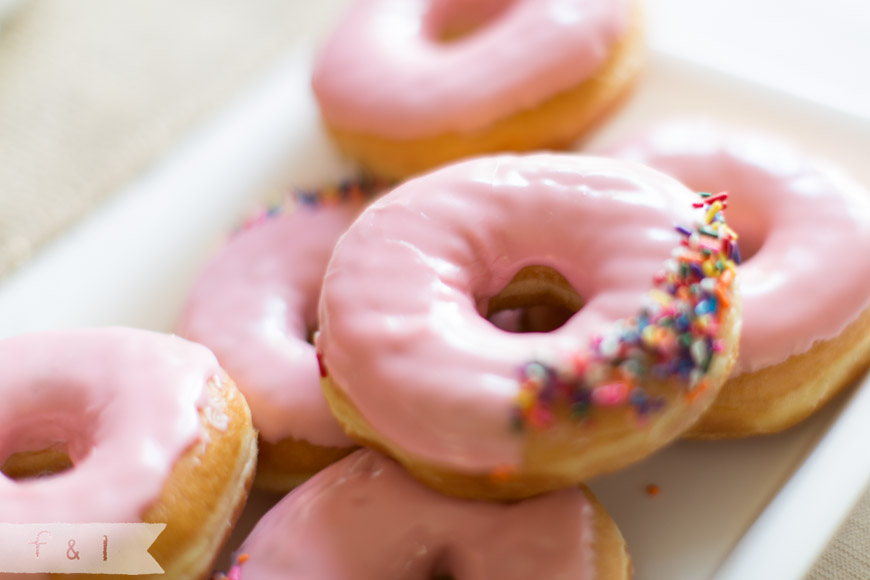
point(407, 84)
point(414, 368)
point(124, 426)
point(365, 518)
point(254, 305)
point(806, 297)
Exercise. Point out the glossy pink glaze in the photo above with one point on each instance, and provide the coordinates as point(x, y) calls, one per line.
point(386, 72)
point(804, 226)
point(254, 305)
point(125, 402)
point(403, 332)
point(366, 518)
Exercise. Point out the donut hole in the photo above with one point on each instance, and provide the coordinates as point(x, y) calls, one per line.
point(46, 462)
point(537, 299)
point(450, 21)
point(44, 447)
point(441, 568)
point(750, 241)
point(535, 318)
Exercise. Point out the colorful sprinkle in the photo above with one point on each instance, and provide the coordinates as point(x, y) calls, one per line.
point(235, 572)
point(502, 473)
point(652, 489)
point(321, 366)
point(674, 335)
point(610, 394)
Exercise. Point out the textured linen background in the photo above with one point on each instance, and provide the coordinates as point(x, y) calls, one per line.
point(94, 91)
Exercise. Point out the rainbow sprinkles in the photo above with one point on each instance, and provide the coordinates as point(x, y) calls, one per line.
point(674, 335)
point(348, 191)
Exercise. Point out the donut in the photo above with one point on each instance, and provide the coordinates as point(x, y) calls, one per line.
point(806, 297)
point(255, 305)
point(365, 517)
point(125, 426)
point(404, 86)
point(413, 367)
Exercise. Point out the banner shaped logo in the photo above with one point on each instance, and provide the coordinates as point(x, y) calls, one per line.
point(79, 548)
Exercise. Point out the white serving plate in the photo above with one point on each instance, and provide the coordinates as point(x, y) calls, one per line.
point(763, 508)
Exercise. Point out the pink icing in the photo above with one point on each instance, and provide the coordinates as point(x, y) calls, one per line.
point(403, 332)
point(385, 71)
point(366, 518)
point(254, 306)
point(125, 402)
point(804, 227)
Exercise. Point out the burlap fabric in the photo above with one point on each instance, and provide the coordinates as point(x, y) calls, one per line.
point(848, 556)
point(93, 91)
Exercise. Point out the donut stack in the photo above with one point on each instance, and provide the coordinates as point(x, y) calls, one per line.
point(476, 417)
point(496, 331)
point(437, 345)
point(481, 434)
point(432, 373)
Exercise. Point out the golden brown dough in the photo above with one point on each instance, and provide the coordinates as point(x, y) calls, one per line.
point(780, 396)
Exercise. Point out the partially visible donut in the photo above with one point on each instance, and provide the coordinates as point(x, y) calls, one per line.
point(147, 427)
point(366, 518)
point(805, 234)
point(255, 306)
point(406, 85)
point(415, 369)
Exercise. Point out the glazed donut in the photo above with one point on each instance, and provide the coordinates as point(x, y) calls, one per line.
point(401, 93)
point(365, 517)
point(255, 304)
point(153, 429)
point(413, 367)
point(806, 298)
